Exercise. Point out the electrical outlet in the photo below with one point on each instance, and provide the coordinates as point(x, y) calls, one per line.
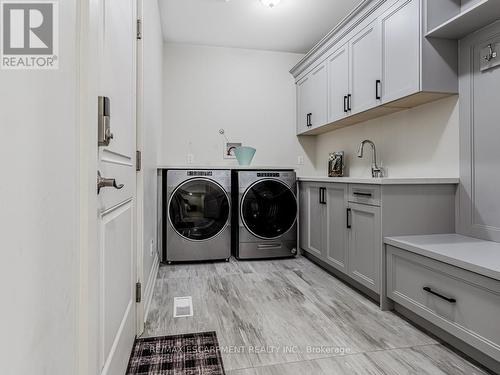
point(300, 160)
point(228, 149)
point(190, 158)
point(151, 247)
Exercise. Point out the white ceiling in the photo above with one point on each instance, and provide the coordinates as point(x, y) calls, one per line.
point(292, 26)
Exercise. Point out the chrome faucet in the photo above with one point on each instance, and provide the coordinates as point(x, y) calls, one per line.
point(376, 171)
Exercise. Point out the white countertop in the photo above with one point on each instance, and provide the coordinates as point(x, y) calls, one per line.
point(382, 181)
point(225, 167)
point(479, 256)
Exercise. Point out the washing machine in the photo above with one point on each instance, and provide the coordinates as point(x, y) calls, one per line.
point(264, 214)
point(197, 215)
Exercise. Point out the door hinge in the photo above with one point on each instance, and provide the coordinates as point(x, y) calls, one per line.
point(138, 292)
point(138, 161)
point(139, 29)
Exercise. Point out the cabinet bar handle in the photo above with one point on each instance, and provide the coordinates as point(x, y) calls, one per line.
point(349, 96)
point(322, 196)
point(378, 84)
point(362, 194)
point(348, 217)
point(309, 121)
point(429, 290)
point(345, 104)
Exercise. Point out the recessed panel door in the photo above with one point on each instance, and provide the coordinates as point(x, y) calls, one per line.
point(116, 202)
point(400, 28)
point(365, 72)
point(315, 220)
point(338, 84)
point(336, 225)
point(365, 245)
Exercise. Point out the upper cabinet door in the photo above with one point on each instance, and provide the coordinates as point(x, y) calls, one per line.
point(400, 28)
point(338, 84)
point(303, 104)
point(319, 95)
point(366, 70)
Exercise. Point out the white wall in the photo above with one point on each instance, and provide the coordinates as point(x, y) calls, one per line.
point(248, 93)
point(420, 142)
point(251, 95)
point(39, 213)
point(152, 122)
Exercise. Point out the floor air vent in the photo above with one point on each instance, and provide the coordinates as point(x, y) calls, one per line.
point(183, 307)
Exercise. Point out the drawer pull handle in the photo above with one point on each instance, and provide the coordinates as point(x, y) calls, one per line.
point(429, 290)
point(362, 194)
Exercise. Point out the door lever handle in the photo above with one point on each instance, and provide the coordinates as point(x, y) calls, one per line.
point(103, 182)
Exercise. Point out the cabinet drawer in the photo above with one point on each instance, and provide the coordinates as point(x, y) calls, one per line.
point(364, 194)
point(463, 303)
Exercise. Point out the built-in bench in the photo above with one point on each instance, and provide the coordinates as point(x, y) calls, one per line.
point(453, 283)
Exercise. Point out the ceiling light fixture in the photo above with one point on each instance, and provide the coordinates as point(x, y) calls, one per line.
point(270, 3)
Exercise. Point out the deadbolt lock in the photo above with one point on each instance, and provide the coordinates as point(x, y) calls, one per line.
point(104, 135)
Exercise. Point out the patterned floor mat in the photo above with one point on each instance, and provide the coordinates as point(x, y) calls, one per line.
point(192, 354)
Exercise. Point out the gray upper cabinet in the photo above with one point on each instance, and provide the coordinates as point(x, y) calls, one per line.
point(400, 28)
point(336, 224)
point(312, 97)
point(365, 69)
point(303, 106)
point(338, 84)
point(380, 60)
point(365, 245)
point(319, 89)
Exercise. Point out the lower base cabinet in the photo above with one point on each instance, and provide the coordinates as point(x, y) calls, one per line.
point(343, 224)
point(323, 217)
point(364, 248)
point(462, 303)
point(345, 235)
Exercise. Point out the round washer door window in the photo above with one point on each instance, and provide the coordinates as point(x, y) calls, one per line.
point(199, 210)
point(269, 209)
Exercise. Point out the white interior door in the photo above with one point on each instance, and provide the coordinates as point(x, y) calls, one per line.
point(116, 207)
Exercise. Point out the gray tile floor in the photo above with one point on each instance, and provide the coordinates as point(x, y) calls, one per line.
point(291, 317)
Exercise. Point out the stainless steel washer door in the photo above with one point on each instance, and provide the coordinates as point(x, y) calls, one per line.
point(268, 209)
point(199, 209)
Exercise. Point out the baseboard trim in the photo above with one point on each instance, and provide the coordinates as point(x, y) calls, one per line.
point(150, 286)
